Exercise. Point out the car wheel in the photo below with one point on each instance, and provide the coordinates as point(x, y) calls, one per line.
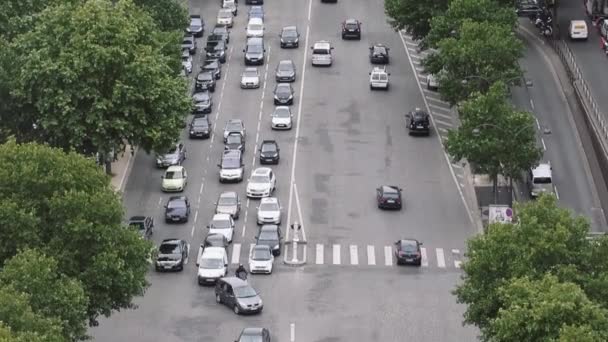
point(212, 89)
point(237, 310)
point(218, 299)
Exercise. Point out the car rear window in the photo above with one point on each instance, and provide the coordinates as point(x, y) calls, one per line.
point(169, 248)
point(408, 246)
point(580, 27)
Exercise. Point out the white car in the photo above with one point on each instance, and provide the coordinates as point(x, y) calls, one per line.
point(222, 224)
point(578, 30)
point(432, 83)
point(255, 28)
point(250, 78)
point(174, 179)
point(378, 78)
point(231, 5)
point(260, 259)
point(261, 183)
point(322, 53)
point(269, 211)
point(212, 265)
point(225, 17)
point(281, 118)
point(187, 61)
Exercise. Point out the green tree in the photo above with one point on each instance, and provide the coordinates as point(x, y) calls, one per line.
point(169, 15)
point(414, 16)
point(480, 55)
point(494, 136)
point(50, 292)
point(546, 239)
point(93, 77)
point(543, 309)
point(482, 11)
point(72, 215)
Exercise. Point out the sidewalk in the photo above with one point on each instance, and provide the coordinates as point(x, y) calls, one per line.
point(122, 168)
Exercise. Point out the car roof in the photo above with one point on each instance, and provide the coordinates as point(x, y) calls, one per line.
point(290, 28)
point(418, 112)
point(390, 188)
point(137, 218)
point(322, 44)
point(269, 228)
point(269, 200)
point(214, 252)
point(221, 217)
point(577, 22)
point(229, 194)
point(542, 170)
point(255, 20)
point(255, 41)
point(262, 171)
point(175, 168)
point(232, 154)
point(171, 241)
point(252, 331)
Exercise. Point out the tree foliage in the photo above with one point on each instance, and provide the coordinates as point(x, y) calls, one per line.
point(547, 239)
point(543, 310)
point(414, 16)
point(96, 89)
point(51, 293)
point(67, 210)
point(480, 55)
point(482, 11)
point(169, 15)
point(494, 136)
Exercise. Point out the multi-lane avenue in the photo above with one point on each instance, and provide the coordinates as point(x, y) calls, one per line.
point(346, 141)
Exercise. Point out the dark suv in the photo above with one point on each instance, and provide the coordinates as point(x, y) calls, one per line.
point(217, 52)
point(214, 67)
point(418, 122)
point(172, 255)
point(269, 152)
point(237, 294)
point(144, 225)
point(200, 127)
point(407, 251)
point(351, 28)
point(205, 81)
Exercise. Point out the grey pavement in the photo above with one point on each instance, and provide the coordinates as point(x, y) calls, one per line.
point(349, 141)
point(121, 169)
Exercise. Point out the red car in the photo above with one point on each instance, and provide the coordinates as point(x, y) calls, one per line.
point(389, 197)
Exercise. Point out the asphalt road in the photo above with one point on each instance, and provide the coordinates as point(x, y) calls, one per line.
point(349, 141)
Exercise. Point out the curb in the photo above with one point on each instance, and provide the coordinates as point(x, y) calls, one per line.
point(127, 171)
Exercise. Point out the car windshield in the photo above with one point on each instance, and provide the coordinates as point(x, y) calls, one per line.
point(176, 204)
point(185, 58)
point(282, 90)
point(261, 254)
point(234, 127)
point(285, 67)
point(259, 179)
point(269, 148)
point(379, 50)
point(408, 246)
point(195, 22)
point(225, 14)
point(255, 27)
point(281, 113)
point(254, 48)
point(269, 206)
point(351, 25)
point(173, 175)
point(290, 34)
point(250, 73)
point(226, 200)
point(251, 338)
point(267, 236)
point(186, 41)
point(200, 123)
point(244, 292)
point(221, 224)
point(212, 264)
point(169, 248)
point(137, 225)
point(201, 97)
point(542, 180)
point(231, 163)
point(320, 52)
point(233, 139)
point(206, 76)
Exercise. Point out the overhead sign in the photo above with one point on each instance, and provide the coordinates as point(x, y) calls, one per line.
point(500, 214)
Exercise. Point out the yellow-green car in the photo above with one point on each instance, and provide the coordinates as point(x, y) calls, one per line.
point(174, 179)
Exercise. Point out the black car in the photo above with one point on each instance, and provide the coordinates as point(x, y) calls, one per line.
point(235, 141)
point(269, 152)
point(256, 12)
point(174, 155)
point(197, 26)
point(290, 37)
point(189, 43)
point(528, 9)
point(202, 102)
point(283, 94)
point(172, 255)
point(378, 54)
point(254, 51)
point(200, 127)
point(205, 81)
point(214, 67)
point(418, 122)
point(215, 240)
point(351, 28)
point(270, 235)
point(177, 209)
point(144, 225)
point(334, 1)
point(217, 52)
point(221, 31)
point(286, 71)
point(254, 335)
point(254, 2)
point(407, 251)
point(388, 197)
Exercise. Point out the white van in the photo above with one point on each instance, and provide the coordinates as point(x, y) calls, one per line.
point(321, 53)
point(212, 265)
point(578, 30)
point(541, 180)
point(255, 28)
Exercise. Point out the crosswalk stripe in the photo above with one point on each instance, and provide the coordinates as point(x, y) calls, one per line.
point(423, 256)
point(440, 257)
point(354, 255)
point(236, 253)
point(371, 255)
point(440, 108)
point(456, 254)
point(439, 121)
point(336, 254)
point(388, 255)
point(319, 259)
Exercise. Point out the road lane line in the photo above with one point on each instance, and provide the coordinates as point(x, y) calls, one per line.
point(192, 231)
point(371, 255)
point(336, 251)
point(444, 123)
point(532, 104)
point(301, 220)
point(537, 123)
point(236, 253)
point(319, 254)
point(440, 257)
point(388, 255)
point(195, 216)
point(556, 192)
point(202, 184)
point(246, 214)
point(160, 200)
point(354, 255)
point(424, 258)
point(456, 255)
point(292, 332)
point(543, 142)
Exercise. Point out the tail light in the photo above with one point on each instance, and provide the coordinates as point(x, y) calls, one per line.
point(401, 254)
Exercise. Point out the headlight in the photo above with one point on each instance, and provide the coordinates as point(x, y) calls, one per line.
point(296, 40)
point(191, 132)
point(282, 41)
point(275, 155)
point(276, 97)
point(275, 247)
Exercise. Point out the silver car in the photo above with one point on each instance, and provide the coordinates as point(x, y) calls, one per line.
point(228, 203)
point(250, 78)
point(234, 125)
point(269, 211)
point(286, 71)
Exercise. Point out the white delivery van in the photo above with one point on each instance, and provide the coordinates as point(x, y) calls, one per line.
point(541, 180)
point(212, 265)
point(321, 53)
point(578, 30)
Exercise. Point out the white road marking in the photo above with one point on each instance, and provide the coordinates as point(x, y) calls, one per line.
point(160, 200)
point(202, 184)
point(556, 192)
point(371, 255)
point(354, 255)
point(292, 332)
point(388, 255)
point(456, 255)
point(445, 123)
point(417, 57)
point(443, 116)
point(442, 129)
point(543, 142)
point(192, 231)
point(437, 100)
point(440, 257)
point(336, 251)
point(301, 220)
point(236, 253)
point(440, 108)
point(195, 216)
point(532, 104)
point(424, 258)
point(411, 43)
point(419, 69)
point(319, 254)
point(244, 230)
point(412, 50)
point(537, 124)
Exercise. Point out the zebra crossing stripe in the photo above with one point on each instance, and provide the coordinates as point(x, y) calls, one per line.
point(371, 255)
point(319, 259)
point(423, 256)
point(388, 255)
point(354, 255)
point(457, 262)
point(336, 251)
point(440, 257)
point(236, 253)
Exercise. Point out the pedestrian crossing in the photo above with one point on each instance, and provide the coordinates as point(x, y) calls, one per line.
point(356, 255)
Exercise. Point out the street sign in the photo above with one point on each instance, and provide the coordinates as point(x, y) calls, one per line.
point(500, 214)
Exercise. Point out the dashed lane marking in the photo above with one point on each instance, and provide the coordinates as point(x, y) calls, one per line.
point(236, 253)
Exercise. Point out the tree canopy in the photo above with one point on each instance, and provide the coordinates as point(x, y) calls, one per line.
point(413, 15)
point(169, 15)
